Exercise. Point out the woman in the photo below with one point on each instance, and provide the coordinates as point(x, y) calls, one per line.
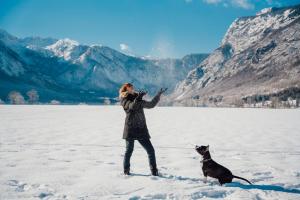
point(135, 127)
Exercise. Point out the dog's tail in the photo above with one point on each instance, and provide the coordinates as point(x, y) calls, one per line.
point(242, 179)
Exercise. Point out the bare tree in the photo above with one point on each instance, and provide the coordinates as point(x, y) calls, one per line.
point(33, 96)
point(238, 102)
point(16, 97)
point(275, 102)
point(249, 101)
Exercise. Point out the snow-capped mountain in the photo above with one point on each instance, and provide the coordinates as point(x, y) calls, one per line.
point(72, 72)
point(259, 56)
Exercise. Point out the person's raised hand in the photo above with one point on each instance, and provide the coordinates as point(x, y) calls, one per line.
point(162, 90)
point(141, 93)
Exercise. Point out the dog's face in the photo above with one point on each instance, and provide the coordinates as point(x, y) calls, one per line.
point(202, 149)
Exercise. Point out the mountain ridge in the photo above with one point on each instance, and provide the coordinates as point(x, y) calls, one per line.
point(80, 73)
point(257, 56)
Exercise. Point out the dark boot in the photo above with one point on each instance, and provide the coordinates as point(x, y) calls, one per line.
point(154, 171)
point(126, 171)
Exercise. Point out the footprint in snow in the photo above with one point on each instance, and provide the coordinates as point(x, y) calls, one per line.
point(44, 194)
point(41, 191)
point(261, 173)
point(11, 165)
point(19, 186)
point(209, 194)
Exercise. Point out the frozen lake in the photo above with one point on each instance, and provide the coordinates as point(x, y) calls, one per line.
point(76, 152)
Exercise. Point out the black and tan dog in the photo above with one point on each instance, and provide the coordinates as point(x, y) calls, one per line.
point(212, 169)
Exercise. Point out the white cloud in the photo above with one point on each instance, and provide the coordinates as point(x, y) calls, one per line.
point(212, 1)
point(273, 3)
point(242, 4)
point(245, 4)
point(124, 47)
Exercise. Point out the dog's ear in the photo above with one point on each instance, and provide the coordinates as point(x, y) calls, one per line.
point(207, 147)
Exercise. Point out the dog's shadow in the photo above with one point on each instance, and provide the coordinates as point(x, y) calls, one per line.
point(263, 187)
point(233, 184)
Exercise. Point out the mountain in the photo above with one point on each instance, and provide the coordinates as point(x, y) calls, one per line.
point(259, 58)
point(180, 67)
point(64, 70)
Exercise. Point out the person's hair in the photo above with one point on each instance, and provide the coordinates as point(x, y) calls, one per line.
point(124, 90)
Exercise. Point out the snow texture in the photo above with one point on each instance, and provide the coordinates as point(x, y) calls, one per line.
point(76, 152)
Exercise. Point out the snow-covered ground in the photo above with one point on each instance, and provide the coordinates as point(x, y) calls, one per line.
point(76, 152)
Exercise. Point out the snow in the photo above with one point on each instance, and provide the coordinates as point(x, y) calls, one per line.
point(76, 152)
point(264, 11)
point(63, 48)
point(243, 32)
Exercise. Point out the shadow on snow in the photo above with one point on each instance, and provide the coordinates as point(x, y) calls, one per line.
point(233, 184)
point(263, 187)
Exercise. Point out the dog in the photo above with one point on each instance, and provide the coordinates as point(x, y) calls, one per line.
point(213, 169)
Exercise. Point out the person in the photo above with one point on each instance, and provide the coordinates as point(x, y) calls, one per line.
point(135, 127)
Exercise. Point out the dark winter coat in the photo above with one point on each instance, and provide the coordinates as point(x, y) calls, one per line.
point(135, 122)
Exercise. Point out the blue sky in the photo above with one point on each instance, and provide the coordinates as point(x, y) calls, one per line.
point(161, 28)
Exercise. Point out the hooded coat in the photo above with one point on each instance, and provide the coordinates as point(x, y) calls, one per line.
point(135, 126)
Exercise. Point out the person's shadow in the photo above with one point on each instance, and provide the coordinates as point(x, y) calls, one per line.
point(263, 187)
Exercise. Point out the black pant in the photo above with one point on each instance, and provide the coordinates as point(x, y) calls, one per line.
point(146, 143)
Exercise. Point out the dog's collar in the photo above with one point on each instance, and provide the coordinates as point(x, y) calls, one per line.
point(205, 160)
